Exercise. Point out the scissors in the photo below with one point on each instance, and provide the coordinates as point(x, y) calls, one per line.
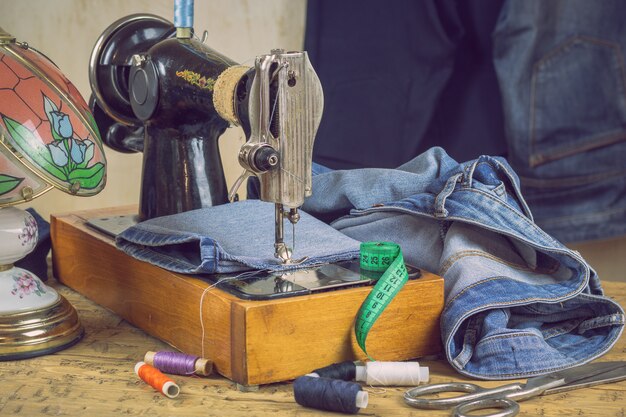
point(505, 396)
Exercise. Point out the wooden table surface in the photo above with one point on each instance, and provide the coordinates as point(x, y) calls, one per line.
point(95, 378)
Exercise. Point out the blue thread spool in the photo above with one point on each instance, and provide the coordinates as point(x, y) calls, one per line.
point(183, 13)
point(346, 371)
point(329, 394)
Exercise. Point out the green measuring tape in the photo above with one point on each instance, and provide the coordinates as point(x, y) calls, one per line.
point(385, 257)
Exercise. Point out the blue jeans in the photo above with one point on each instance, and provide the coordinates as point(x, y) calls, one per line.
point(231, 238)
point(562, 76)
point(517, 302)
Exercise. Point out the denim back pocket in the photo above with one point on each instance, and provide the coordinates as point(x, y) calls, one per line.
point(577, 100)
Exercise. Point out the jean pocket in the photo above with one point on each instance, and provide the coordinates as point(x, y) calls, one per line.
point(577, 100)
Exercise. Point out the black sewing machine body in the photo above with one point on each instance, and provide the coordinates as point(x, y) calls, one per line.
point(153, 92)
point(182, 166)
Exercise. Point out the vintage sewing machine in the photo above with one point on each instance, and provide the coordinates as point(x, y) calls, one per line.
point(159, 90)
point(182, 95)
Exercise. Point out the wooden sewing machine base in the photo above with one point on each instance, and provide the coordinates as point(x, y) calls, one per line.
point(249, 342)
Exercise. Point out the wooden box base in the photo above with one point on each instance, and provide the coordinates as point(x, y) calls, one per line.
point(249, 342)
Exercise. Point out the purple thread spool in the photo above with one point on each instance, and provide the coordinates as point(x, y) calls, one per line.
point(179, 363)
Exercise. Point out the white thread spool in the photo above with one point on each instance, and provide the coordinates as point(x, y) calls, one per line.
point(392, 373)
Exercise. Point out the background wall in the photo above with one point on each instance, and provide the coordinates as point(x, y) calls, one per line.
point(66, 30)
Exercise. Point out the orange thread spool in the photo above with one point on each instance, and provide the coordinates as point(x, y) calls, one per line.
point(157, 380)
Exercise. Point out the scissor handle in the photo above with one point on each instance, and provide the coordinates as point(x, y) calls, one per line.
point(474, 392)
point(411, 396)
point(509, 407)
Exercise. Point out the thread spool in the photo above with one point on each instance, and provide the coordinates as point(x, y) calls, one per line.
point(178, 363)
point(346, 371)
point(157, 380)
point(224, 91)
point(329, 394)
point(392, 373)
point(183, 13)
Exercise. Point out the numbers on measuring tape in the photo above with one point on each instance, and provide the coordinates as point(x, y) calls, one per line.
point(379, 256)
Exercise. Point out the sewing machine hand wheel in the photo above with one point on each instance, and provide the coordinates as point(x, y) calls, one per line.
point(109, 69)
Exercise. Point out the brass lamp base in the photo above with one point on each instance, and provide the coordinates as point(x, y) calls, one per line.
point(34, 319)
point(39, 332)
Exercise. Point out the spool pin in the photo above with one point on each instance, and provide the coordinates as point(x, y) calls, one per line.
point(202, 366)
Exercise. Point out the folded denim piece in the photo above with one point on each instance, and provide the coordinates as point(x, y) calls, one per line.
point(517, 302)
point(231, 238)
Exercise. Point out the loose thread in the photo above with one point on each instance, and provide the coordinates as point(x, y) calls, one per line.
point(329, 394)
point(178, 363)
point(376, 390)
point(243, 275)
point(157, 380)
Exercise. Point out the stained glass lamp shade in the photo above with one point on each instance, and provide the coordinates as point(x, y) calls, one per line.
point(48, 139)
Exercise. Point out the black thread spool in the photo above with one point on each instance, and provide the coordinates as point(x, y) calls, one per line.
point(346, 371)
point(329, 394)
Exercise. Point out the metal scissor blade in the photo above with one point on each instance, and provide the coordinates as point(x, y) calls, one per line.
point(617, 373)
point(578, 377)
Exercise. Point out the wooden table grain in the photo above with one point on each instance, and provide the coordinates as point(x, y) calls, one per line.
point(95, 378)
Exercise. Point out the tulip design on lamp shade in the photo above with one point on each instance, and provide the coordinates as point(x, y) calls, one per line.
point(50, 137)
point(68, 156)
point(67, 152)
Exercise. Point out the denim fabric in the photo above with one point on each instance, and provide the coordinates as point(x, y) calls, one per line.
point(562, 76)
point(231, 238)
point(549, 76)
point(517, 302)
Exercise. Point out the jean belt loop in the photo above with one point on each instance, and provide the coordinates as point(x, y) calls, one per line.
point(440, 200)
point(469, 171)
